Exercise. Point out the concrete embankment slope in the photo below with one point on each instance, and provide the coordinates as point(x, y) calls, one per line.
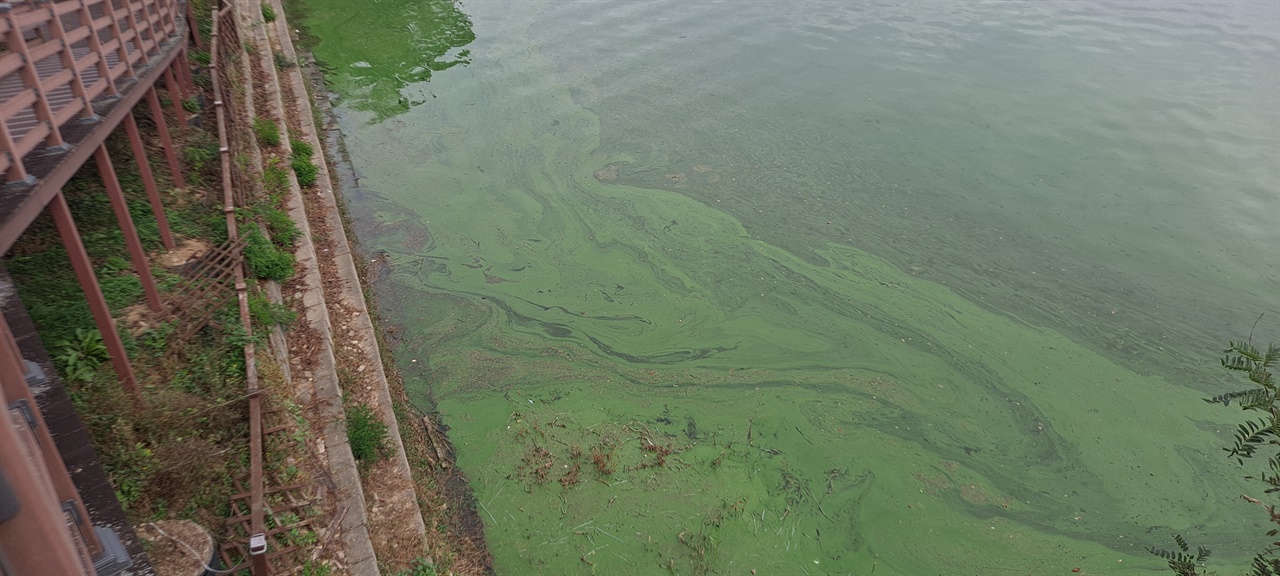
point(377, 512)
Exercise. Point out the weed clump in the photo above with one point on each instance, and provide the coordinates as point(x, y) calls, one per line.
point(301, 162)
point(284, 231)
point(268, 132)
point(265, 260)
point(275, 178)
point(366, 433)
point(267, 313)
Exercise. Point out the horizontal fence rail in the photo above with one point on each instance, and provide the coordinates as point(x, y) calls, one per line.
point(58, 57)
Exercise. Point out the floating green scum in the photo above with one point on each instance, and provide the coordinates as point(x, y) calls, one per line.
point(642, 379)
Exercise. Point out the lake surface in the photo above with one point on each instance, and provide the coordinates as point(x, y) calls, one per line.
point(823, 287)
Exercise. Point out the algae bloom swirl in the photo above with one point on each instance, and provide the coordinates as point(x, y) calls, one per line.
point(743, 288)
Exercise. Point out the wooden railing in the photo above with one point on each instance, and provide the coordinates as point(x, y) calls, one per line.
point(60, 56)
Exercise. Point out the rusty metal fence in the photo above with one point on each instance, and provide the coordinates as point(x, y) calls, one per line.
point(225, 51)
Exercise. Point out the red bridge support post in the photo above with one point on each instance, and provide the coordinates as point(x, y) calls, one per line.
point(162, 127)
point(93, 293)
point(131, 241)
point(148, 180)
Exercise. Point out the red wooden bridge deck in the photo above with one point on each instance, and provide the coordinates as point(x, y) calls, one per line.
point(71, 72)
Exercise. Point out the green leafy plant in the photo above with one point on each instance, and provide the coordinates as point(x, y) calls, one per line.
point(267, 313)
point(316, 568)
point(129, 468)
point(79, 359)
point(419, 567)
point(1252, 438)
point(265, 260)
point(301, 537)
point(120, 289)
point(366, 433)
point(191, 105)
point(1182, 561)
point(268, 13)
point(301, 162)
point(200, 57)
point(284, 62)
point(202, 80)
point(284, 231)
point(268, 132)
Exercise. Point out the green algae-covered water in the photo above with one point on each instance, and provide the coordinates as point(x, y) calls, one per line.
point(822, 287)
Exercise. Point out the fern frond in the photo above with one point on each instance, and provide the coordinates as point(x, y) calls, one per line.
point(1244, 349)
point(1248, 437)
point(1271, 357)
point(1262, 567)
point(1182, 563)
point(1261, 376)
point(1262, 400)
point(1241, 363)
point(1249, 396)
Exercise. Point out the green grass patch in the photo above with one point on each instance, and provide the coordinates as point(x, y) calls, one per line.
point(301, 148)
point(268, 132)
point(301, 162)
point(265, 260)
point(275, 179)
point(305, 170)
point(266, 313)
point(366, 433)
point(284, 231)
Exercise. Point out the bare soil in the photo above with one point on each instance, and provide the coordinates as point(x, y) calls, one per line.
point(176, 547)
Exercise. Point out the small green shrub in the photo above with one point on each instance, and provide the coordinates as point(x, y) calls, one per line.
point(284, 231)
point(366, 433)
point(268, 132)
point(267, 313)
point(201, 58)
point(130, 467)
point(268, 13)
point(191, 105)
point(114, 264)
point(266, 262)
point(284, 62)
